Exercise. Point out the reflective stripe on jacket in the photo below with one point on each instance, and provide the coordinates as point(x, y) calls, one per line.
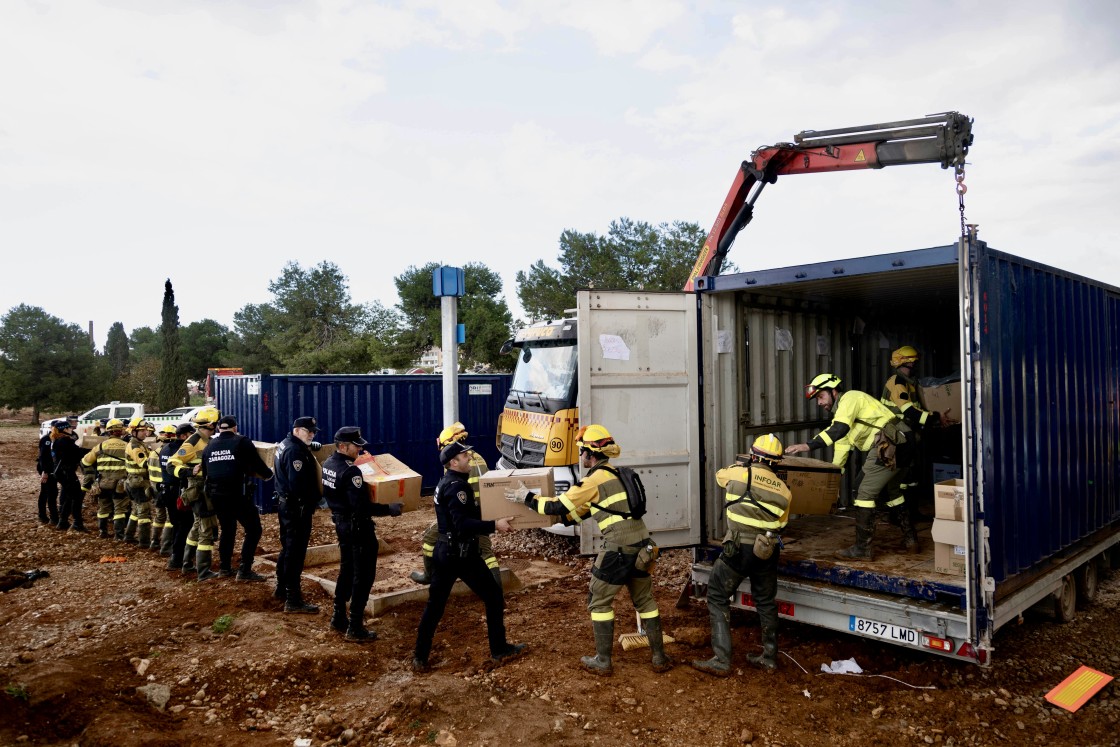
point(765, 487)
point(862, 417)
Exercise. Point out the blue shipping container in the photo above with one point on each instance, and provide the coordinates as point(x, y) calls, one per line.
point(398, 415)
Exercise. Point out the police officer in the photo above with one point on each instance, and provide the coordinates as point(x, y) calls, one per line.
point(108, 460)
point(179, 514)
point(757, 508)
point(450, 434)
point(186, 465)
point(352, 512)
point(627, 548)
point(138, 484)
point(48, 485)
point(457, 556)
point(66, 455)
point(228, 462)
point(298, 489)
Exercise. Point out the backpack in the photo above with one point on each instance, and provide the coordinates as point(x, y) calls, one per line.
point(635, 493)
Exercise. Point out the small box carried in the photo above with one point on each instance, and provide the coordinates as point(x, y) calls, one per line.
point(492, 488)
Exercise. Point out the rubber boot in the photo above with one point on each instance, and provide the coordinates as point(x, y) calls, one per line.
point(720, 663)
point(600, 663)
point(865, 532)
point(188, 559)
point(154, 543)
point(130, 531)
point(144, 536)
point(424, 576)
point(118, 529)
point(909, 536)
point(768, 659)
point(103, 526)
point(660, 661)
point(204, 559)
point(166, 540)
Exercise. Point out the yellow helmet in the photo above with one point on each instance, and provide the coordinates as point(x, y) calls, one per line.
point(452, 433)
point(598, 440)
point(207, 416)
point(904, 356)
point(167, 432)
point(139, 422)
point(821, 383)
point(116, 424)
point(767, 448)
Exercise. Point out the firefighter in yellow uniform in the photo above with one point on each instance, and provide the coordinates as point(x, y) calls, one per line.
point(138, 484)
point(449, 435)
point(860, 421)
point(902, 391)
point(108, 460)
point(757, 508)
point(163, 533)
point(627, 554)
point(186, 464)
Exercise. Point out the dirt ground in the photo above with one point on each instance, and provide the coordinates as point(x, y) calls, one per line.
point(72, 645)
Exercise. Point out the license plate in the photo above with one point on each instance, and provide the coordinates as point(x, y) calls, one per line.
point(883, 630)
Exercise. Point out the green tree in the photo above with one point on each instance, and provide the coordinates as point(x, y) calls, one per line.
point(252, 326)
point(482, 310)
point(140, 383)
point(116, 349)
point(634, 255)
point(204, 344)
point(145, 344)
point(172, 375)
point(47, 364)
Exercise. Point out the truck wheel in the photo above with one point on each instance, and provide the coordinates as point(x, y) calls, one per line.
point(1065, 600)
point(1086, 578)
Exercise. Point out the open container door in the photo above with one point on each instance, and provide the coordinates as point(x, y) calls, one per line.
point(637, 377)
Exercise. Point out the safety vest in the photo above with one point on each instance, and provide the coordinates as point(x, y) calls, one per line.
point(865, 416)
point(901, 392)
point(601, 489)
point(182, 463)
point(109, 458)
point(137, 453)
point(756, 499)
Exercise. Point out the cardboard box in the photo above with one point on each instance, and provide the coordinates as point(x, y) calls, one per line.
point(948, 500)
point(813, 483)
point(943, 472)
point(267, 453)
point(390, 480)
point(492, 493)
point(945, 399)
point(948, 546)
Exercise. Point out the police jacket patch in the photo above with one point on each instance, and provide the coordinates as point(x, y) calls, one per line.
point(297, 465)
point(357, 480)
point(462, 496)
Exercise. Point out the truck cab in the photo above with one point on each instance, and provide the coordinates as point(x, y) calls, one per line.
point(125, 411)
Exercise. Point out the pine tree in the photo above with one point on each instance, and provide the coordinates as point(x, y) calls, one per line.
point(116, 350)
point(172, 374)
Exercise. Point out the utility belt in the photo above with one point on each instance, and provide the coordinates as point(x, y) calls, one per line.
point(631, 549)
point(463, 548)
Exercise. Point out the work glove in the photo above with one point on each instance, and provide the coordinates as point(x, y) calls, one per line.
point(520, 494)
point(314, 446)
point(395, 509)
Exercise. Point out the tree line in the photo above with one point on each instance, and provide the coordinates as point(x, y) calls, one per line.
point(312, 326)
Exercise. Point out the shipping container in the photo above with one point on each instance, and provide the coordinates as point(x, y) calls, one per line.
point(398, 415)
point(1037, 354)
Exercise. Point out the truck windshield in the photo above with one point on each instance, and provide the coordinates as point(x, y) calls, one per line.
point(544, 377)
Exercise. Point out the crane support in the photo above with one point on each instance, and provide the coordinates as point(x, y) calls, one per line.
point(941, 138)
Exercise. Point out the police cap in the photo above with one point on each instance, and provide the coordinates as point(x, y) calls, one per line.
point(453, 450)
point(306, 422)
point(227, 422)
point(349, 434)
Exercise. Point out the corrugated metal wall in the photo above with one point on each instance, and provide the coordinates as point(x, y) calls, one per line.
point(1049, 355)
point(400, 415)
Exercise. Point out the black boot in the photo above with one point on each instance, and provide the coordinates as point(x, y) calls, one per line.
point(339, 621)
point(103, 526)
point(118, 529)
point(425, 576)
point(130, 531)
point(188, 559)
point(600, 663)
point(720, 663)
point(167, 540)
point(356, 632)
point(768, 659)
point(204, 559)
point(660, 660)
point(144, 535)
point(296, 604)
point(909, 536)
point(865, 532)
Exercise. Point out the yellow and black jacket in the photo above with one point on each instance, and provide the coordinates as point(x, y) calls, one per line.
point(600, 496)
point(856, 422)
point(769, 511)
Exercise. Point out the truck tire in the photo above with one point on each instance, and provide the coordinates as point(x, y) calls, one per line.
point(1065, 600)
point(1087, 581)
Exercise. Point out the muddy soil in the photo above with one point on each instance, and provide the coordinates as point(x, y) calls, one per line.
point(240, 671)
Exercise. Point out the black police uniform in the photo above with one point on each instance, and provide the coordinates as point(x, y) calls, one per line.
point(48, 487)
point(456, 556)
point(181, 518)
point(228, 462)
point(352, 513)
point(67, 454)
point(297, 490)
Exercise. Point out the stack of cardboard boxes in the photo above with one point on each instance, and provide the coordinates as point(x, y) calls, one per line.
point(949, 527)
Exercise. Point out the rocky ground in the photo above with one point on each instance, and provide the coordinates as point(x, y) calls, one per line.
point(87, 655)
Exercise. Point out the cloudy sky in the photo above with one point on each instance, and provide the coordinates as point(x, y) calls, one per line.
point(212, 141)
